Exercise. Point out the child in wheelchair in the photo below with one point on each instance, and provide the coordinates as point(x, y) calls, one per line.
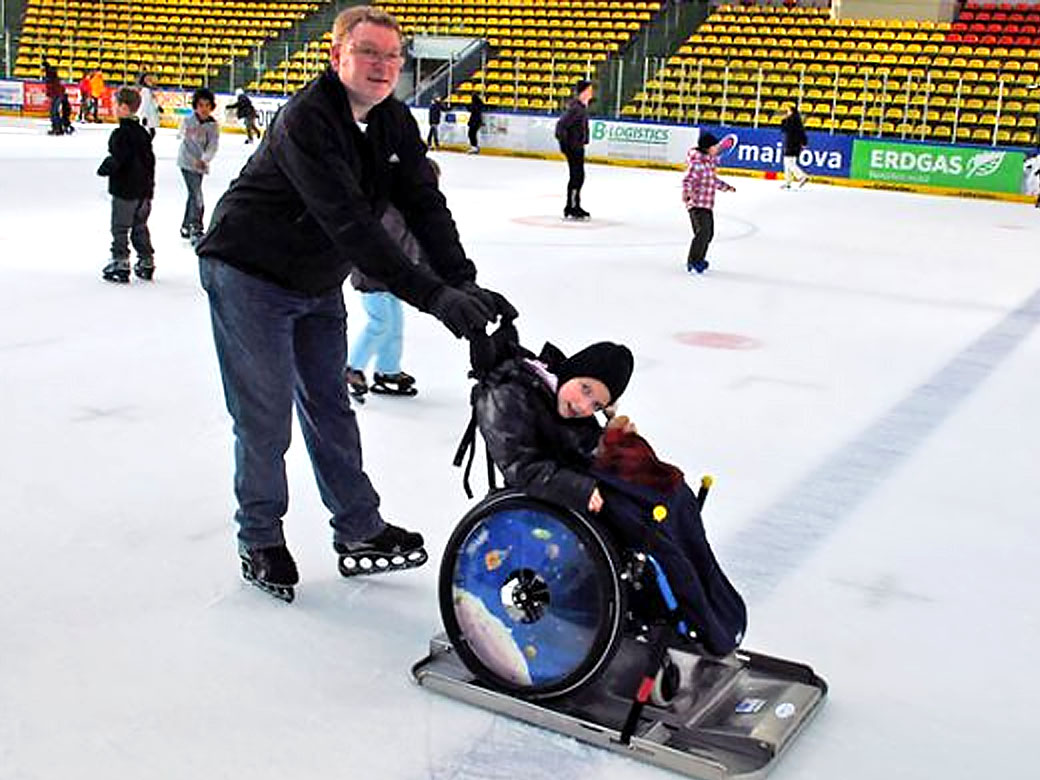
point(538, 417)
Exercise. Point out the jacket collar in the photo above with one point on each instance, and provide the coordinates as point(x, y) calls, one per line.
point(332, 86)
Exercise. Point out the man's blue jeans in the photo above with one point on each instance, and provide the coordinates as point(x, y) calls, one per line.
point(278, 348)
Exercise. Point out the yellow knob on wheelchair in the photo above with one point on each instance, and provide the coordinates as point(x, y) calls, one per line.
point(660, 513)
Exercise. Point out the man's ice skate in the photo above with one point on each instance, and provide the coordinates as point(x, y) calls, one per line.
point(803, 181)
point(394, 549)
point(144, 268)
point(116, 271)
point(272, 569)
point(697, 266)
point(394, 384)
point(185, 231)
point(357, 385)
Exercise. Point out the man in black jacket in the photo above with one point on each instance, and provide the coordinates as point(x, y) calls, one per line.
point(433, 139)
point(795, 140)
point(572, 132)
point(303, 211)
point(130, 168)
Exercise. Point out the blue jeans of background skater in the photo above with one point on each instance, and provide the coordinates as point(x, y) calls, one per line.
point(278, 348)
point(382, 336)
point(194, 207)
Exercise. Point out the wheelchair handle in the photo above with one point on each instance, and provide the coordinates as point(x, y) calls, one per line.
point(702, 494)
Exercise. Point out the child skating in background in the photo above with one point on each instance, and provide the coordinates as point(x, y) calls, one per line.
point(200, 137)
point(130, 168)
point(382, 338)
point(698, 192)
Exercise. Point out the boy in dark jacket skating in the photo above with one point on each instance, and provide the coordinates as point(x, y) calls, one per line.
point(572, 133)
point(130, 168)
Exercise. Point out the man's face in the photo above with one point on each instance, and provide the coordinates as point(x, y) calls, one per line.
point(368, 62)
point(585, 96)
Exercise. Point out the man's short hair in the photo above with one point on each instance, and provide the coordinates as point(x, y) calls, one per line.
point(351, 17)
point(129, 97)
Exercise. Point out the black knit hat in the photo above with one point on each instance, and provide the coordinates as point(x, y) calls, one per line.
point(705, 141)
point(581, 85)
point(610, 363)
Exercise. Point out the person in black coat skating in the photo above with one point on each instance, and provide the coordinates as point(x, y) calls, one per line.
point(246, 111)
point(795, 140)
point(130, 168)
point(476, 121)
point(302, 213)
point(436, 108)
point(572, 133)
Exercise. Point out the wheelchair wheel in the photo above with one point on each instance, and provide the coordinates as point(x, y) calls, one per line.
point(531, 597)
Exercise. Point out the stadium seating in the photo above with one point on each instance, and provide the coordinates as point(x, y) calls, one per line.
point(539, 47)
point(180, 41)
point(879, 77)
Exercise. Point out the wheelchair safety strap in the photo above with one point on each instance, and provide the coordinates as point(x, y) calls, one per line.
point(467, 450)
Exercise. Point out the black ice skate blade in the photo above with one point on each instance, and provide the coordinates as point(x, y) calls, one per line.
point(404, 392)
point(378, 563)
point(144, 275)
point(118, 278)
point(284, 593)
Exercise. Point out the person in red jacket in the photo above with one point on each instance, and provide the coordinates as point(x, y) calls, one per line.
point(84, 97)
point(55, 91)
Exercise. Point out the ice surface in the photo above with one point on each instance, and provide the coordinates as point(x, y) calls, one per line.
point(874, 445)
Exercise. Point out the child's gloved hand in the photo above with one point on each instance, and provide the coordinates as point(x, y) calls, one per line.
point(595, 501)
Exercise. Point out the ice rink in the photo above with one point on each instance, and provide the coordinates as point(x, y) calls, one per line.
point(858, 370)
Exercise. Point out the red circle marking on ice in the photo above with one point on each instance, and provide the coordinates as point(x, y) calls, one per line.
point(713, 340)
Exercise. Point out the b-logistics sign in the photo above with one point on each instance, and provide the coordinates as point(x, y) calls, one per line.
point(762, 149)
point(631, 141)
point(953, 167)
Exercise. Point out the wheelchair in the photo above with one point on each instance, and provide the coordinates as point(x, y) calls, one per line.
point(550, 620)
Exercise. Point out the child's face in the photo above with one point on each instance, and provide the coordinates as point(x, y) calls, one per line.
point(123, 110)
point(204, 109)
point(581, 396)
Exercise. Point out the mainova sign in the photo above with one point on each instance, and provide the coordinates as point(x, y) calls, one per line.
point(963, 168)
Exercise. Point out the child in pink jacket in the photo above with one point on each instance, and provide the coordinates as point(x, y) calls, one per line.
point(698, 188)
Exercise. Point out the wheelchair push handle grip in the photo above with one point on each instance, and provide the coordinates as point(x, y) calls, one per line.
point(702, 494)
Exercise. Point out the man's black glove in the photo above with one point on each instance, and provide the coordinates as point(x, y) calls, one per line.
point(494, 301)
point(462, 313)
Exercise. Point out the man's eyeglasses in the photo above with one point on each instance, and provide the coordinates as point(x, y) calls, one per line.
point(372, 55)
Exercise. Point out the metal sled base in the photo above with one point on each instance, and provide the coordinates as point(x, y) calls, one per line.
point(730, 718)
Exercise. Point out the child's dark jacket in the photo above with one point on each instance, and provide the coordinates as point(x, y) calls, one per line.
point(130, 165)
point(536, 450)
